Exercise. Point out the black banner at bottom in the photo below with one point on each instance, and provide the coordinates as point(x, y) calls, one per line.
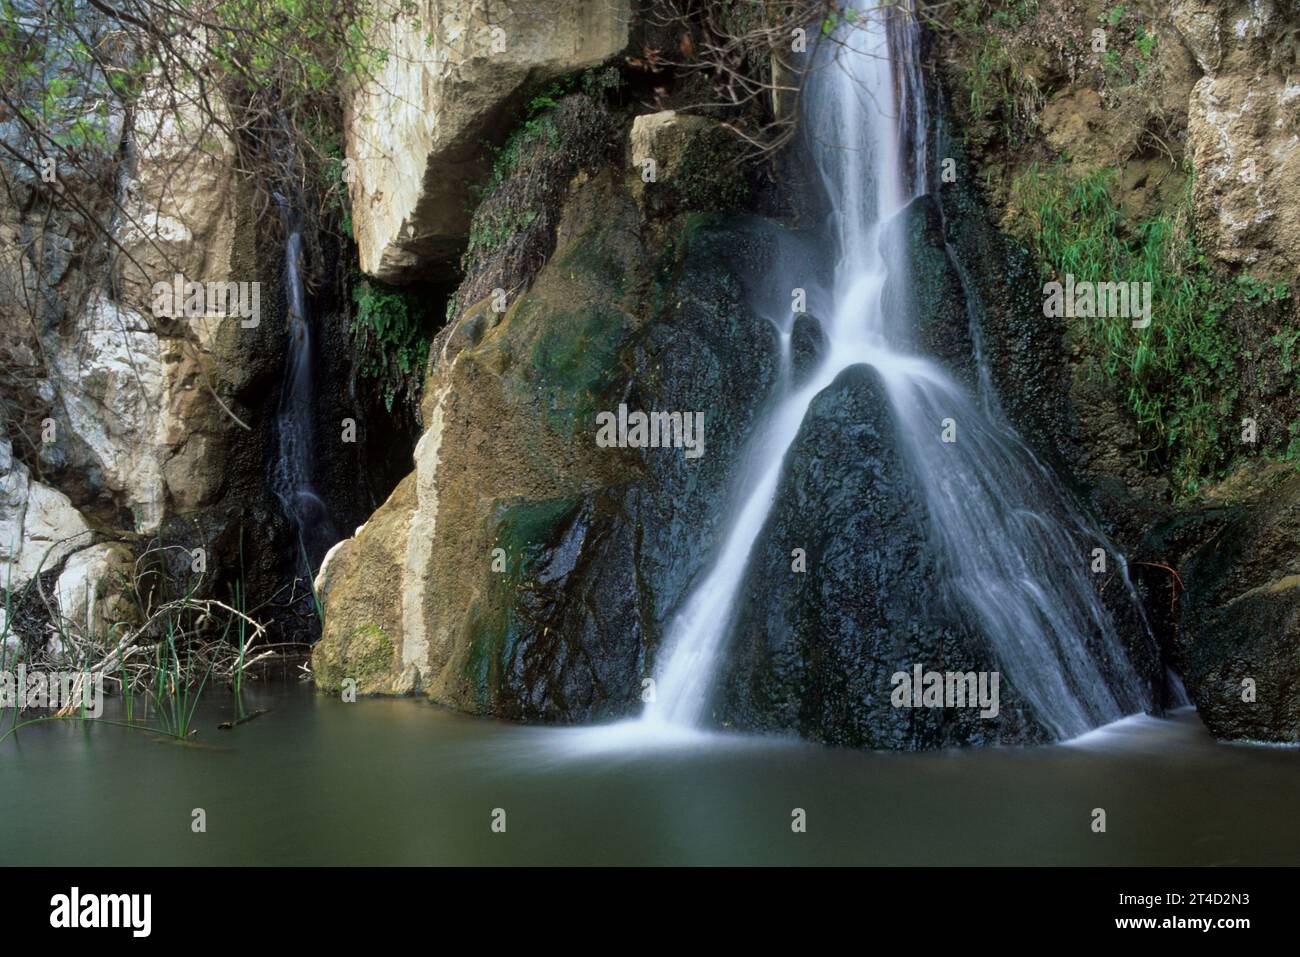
point(334, 906)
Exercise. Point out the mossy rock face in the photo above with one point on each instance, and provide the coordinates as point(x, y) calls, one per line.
point(527, 549)
point(513, 232)
point(566, 631)
point(573, 361)
point(597, 546)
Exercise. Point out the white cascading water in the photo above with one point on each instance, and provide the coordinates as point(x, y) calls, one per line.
point(1012, 548)
point(293, 466)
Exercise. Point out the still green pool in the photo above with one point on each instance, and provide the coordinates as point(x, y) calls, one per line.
point(319, 781)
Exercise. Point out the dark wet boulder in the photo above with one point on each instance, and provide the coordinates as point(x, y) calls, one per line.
point(1237, 641)
point(813, 652)
point(1025, 353)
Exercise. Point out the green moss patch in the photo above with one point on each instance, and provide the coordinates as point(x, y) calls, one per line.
point(573, 362)
point(527, 532)
point(366, 655)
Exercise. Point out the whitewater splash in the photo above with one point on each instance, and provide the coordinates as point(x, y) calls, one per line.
point(1008, 539)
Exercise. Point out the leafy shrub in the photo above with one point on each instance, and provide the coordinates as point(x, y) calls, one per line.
point(392, 339)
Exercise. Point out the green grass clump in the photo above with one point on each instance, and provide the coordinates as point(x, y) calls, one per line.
point(1002, 99)
point(1001, 95)
point(1181, 376)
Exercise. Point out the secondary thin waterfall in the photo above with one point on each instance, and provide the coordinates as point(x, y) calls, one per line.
point(1012, 547)
point(292, 473)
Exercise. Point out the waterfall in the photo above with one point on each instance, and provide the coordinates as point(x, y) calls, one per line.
point(1012, 547)
point(293, 468)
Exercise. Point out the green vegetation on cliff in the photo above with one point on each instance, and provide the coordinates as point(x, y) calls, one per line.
point(565, 128)
point(1181, 376)
point(1076, 118)
point(391, 333)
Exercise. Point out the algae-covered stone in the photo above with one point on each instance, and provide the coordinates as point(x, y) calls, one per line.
point(366, 656)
